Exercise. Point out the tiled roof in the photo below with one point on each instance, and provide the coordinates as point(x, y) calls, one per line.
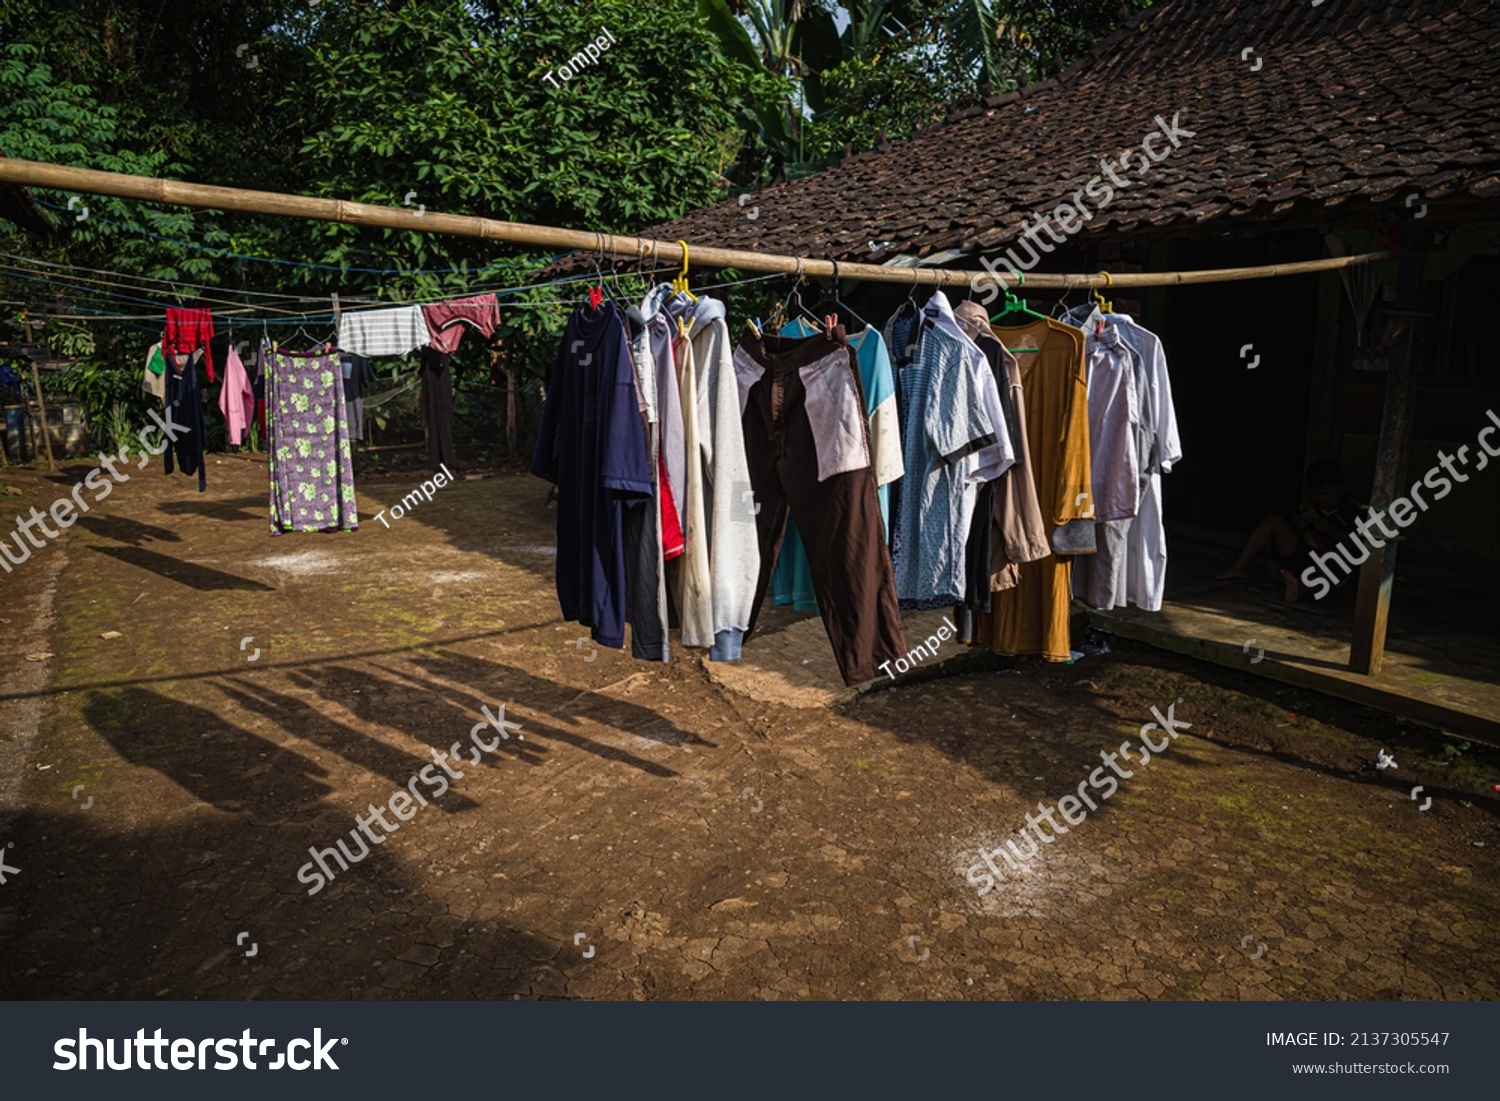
point(1340, 110)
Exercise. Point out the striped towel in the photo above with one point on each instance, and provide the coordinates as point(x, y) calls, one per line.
point(391, 332)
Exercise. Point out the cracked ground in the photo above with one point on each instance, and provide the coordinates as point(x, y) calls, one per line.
point(658, 834)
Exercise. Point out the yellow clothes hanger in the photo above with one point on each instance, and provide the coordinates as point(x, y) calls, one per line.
point(1104, 307)
point(680, 284)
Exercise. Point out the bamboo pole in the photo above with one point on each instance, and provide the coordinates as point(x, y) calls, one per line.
point(275, 204)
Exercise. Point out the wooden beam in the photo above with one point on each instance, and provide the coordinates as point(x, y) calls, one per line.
point(1291, 670)
point(275, 204)
point(1372, 606)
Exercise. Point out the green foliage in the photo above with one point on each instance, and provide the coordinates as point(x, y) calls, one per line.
point(359, 101)
point(847, 72)
point(370, 100)
point(99, 390)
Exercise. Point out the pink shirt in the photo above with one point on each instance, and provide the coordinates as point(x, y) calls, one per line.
point(236, 399)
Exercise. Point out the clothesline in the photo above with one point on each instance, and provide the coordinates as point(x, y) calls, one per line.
point(275, 204)
point(233, 311)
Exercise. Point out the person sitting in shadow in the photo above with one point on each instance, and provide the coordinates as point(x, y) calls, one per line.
point(1325, 517)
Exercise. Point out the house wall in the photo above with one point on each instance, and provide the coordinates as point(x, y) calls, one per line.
point(1456, 378)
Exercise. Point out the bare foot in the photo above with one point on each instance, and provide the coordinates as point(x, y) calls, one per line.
point(1231, 574)
point(1293, 591)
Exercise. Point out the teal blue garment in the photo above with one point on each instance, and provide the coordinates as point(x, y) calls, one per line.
point(791, 583)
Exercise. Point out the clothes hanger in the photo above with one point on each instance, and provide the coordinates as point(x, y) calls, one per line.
point(1059, 308)
point(680, 284)
point(596, 292)
point(909, 307)
point(794, 299)
point(775, 316)
point(1016, 306)
point(622, 299)
point(1013, 305)
point(1104, 305)
point(832, 301)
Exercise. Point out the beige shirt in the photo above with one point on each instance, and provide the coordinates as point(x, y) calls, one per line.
point(1020, 533)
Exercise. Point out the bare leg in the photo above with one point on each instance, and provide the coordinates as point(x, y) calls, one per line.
point(1293, 591)
point(1273, 531)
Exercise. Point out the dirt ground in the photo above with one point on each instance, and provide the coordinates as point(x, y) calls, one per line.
point(656, 834)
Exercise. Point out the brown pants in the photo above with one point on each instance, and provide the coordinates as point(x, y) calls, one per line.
point(790, 441)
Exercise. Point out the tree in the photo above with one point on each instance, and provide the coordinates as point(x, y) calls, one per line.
point(370, 101)
point(845, 73)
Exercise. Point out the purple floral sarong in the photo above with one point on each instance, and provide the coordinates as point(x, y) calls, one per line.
point(312, 472)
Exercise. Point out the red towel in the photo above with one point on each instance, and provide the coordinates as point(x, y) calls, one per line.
point(445, 320)
point(187, 331)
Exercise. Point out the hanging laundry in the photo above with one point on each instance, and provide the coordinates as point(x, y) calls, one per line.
point(1146, 547)
point(1114, 428)
point(728, 539)
point(1032, 617)
point(236, 399)
point(592, 447)
point(646, 604)
point(311, 470)
point(955, 439)
point(692, 586)
point(186, 332)
point(258, 386)
point(652, 530)
point(791, 583)
point(435, 405)
point(1007, 527)
point(662, 330)
point(154, 379)
point(186, 409)
point(806, 437)
point(1131, 563)
point(394, 331)
point(900, 333)
point(446, 320)
point(357, 374)
point(1114, 416)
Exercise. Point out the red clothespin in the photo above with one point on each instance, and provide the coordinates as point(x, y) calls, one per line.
point(596, 296)
point(829, 322)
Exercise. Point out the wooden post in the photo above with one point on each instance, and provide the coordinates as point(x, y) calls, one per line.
point(1372, 608)
point(41, 404)
point(1322, 431)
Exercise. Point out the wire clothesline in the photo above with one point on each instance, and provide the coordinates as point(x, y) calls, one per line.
point(275, 204)
point(325, 317)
